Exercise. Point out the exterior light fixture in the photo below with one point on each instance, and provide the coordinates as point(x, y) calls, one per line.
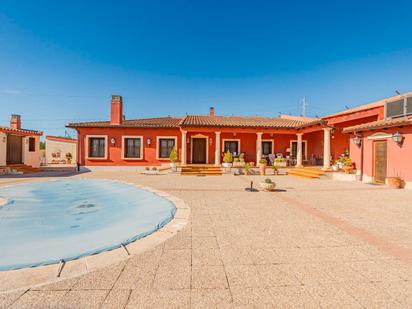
point(113, 140)
point(357, 140)
point(234, 133)
point(397, 138)
point(210, 141)
point(149, 141)
point(187, 140)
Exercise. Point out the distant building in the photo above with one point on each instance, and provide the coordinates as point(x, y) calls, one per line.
point(19, 146)
point(61, 150)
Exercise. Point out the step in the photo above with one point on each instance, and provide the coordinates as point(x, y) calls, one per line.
point(312, 173)
point(316, 172)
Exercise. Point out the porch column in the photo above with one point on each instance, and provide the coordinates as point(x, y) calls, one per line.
point(217, 148)
point(258, 147)
point(299, 150)
point(326, 148)
point(184, 147)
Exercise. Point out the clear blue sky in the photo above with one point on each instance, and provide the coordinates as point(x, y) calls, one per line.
point(61, 61)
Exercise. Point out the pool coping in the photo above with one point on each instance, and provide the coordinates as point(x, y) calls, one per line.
point(11, 280)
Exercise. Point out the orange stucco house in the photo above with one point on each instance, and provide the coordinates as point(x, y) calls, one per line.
point(202, 139)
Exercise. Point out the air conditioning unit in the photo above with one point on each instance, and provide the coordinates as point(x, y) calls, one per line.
point(398, 108)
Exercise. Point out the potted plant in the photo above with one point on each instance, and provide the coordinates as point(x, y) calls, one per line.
point(69, 158)
point(247, 168)
point(280, 162)
point(227, 160)
point(262, 167)
point(335, 166)
point(347, 165)
point(275, 170)
point(173, 158)
point(268, 184)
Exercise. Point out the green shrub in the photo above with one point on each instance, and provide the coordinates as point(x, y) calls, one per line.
point(173, 155)
point(228, 158)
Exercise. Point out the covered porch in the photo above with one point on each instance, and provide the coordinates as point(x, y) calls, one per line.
point(309, 146)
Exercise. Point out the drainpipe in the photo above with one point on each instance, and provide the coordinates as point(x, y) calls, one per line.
point(361, 162)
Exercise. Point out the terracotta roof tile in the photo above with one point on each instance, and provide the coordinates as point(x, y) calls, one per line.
point(20, 131)
point(237, 121)
point(380, 124)
point(162, 122)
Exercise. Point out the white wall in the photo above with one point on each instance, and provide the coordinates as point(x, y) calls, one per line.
point(31, 158)
point(62, 147)
point(3, 148)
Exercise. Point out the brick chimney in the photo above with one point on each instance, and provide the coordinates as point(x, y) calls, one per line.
point(116, 110)
point(212, 111)
point(15, 122)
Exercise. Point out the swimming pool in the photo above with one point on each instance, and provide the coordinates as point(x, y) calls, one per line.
point(44, 223)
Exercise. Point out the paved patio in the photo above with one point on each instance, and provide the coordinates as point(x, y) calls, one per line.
point(312, 244)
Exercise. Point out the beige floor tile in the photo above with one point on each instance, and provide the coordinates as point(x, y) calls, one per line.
point(135, 277)
point(83, 299)
point(211, 298)
point(209, 277)
point(293, 297)
point(244, 276)
point(172, 277)
point(39, 299)
point(101, 279)
point(206, 256)
point(277, 275)
point(252, 298)
point(116, 299)
point(205, 242)
point(176, 258)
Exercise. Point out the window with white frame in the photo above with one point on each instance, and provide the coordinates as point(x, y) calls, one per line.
point(232, 146)
point(97, 147)
point(132, 147)
point(165, 147)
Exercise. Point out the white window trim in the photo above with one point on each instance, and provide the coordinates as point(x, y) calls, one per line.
point(273, 145)
point(231, 140)
point(207, 147)
point(106, 147)
point(124, 146)
point(158, 138)
point(303, 142)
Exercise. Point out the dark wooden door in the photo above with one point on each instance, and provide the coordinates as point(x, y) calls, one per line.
point(380, 161)
point(14, 149)
point(199, 151)
point(266, 148)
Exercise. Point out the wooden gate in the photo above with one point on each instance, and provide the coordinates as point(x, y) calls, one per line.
point(380, 161)
point(14, 149)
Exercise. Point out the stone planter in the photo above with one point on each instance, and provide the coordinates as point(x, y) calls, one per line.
point(173, 165)
point(280, 164)
point(268, 186)
point(238, 164)
point(227, 164)
point(394, 182)
point(335, 168)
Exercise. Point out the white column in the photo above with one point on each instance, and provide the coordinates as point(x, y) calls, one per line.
point(299, 150)
point(326, 148)
point(217, 148)
point(184, 148)
point(258, 147)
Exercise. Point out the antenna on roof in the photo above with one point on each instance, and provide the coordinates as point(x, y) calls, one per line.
point(397, 92)
point(347, 107)
point(304, 105)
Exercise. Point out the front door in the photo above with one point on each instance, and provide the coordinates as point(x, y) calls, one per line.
point(380, 161)
point(199, 151)
point(14, 149)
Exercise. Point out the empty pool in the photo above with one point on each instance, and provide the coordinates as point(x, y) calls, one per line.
point(44, 223)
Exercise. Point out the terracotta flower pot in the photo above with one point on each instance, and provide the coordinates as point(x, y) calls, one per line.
point(262, 169)
point(348, 169)
point(394, 182)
